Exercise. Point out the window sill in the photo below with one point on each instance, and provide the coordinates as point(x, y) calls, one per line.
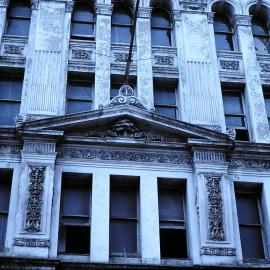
point(125, 260)
point(176, 262)
point(73, 257)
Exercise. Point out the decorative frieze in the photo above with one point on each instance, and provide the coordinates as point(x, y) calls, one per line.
point(104, 9)
point(39, 147)
point(144, 12)
point(229, 65)
point(34, 201)
point(209, 156)
point(265, 67)
point(120, 57)
point(218, 251)
point(31, 242)
point(216, 229)
point(81, 54)
point(249, 164)
point(132, 156)
point(10, 149)
point(163, 60)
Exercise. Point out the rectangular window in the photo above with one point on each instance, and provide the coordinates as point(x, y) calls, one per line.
point(267, 105)
point(124, 216)
point(5, 188)
point(234, 113)
point(250, 224)
point(79, 95)
point(165, 100)
point(10, 99)
point(74, 234)
point(171, 201)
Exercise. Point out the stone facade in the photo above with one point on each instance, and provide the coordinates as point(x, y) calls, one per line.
point(124, 136)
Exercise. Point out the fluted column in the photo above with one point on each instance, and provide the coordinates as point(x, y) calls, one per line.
point(144, 58)
point(103, 51)
point(253, 92)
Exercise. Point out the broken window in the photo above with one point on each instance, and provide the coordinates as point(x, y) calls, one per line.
point(75, 214)
point(173, 242)
point(123, 216)
point(5, 188)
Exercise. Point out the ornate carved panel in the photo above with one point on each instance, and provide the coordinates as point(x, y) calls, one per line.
point(265, 67)
point(229, 65)
point(217, 251)
point(249, 163)
point(215, 209)
point(34, 201)
point(31, 242)
point(163, 60)
point(10, 149)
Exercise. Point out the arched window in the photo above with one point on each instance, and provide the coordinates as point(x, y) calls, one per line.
point(261, 35)
point(161, 28)
point(18, 18)
point(223, 33)
point(83, 21)
point(121, 25)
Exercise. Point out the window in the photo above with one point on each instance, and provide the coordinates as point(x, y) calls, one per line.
point(250, 224)
point(10, 99)
point(5, 188)
point(173, 243)
point(121, 24)
point(124, 216)
point(234, 113)
point(267, 106)
point(161, 28)
point(260, 34)
point(223, 32)
point(83, 21)
point(74, 234)
point(165, 100)
point(79, 95)
point(18, 18)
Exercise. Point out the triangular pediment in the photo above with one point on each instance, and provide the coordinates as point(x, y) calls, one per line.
point(126, 122)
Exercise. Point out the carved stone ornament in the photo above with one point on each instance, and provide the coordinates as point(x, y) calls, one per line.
point(177, 15)
point(69, 6)
point(249, 164)
point(18, 119)
point(164, 60)
point(80, 54)
point(31, 242)
point(144, 12)
point(265, 67)
point(125, 97)
point(117, 155)
point(13, 49)
point(120, 57)
point(124, 128)
point(104, 9)
point(229, 65)
point(210, 17)
point(34, 4)
point(231, 132)
point(218, 251)
point(209, 157)
point(215, 209)
point(34, 201)
point(10, 149)
point(242, 20)
point(193, 5)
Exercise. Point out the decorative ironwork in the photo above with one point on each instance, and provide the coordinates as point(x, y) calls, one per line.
point(31, 242)
point(35, 195)
point(215, 209)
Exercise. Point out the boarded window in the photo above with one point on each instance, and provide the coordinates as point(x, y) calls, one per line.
point(250, 224)
point(5, 188)
point(173, 243)
point(123, 216)
point(75, 214)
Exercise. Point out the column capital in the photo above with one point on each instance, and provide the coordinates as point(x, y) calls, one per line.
point(104, 9)
point(145, 12)
point(70, 6)
point(242, 20)
point(4, 3)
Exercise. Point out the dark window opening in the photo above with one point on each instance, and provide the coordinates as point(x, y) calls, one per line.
point(124, 216)
point(74, 233)
point(5, 189)
point(171, 200)
point(267, 105)
point(18, 18)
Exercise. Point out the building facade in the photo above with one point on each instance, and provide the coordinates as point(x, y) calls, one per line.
point(169, 170)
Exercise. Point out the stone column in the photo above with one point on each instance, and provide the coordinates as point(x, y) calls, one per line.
point(144, 57)
point(103, 51)
point(254, 98)
point(35, 192)
point(3, 16)
point(100, 217)
point(214, 206)
point(149, 222)
point(46, 64)
point(201, 100)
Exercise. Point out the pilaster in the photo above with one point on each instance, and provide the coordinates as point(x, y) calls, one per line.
point(35, 192)
point(46, 64)
point(103, 51)
point(253, 92)
point(144, 58)
point(201, 100)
